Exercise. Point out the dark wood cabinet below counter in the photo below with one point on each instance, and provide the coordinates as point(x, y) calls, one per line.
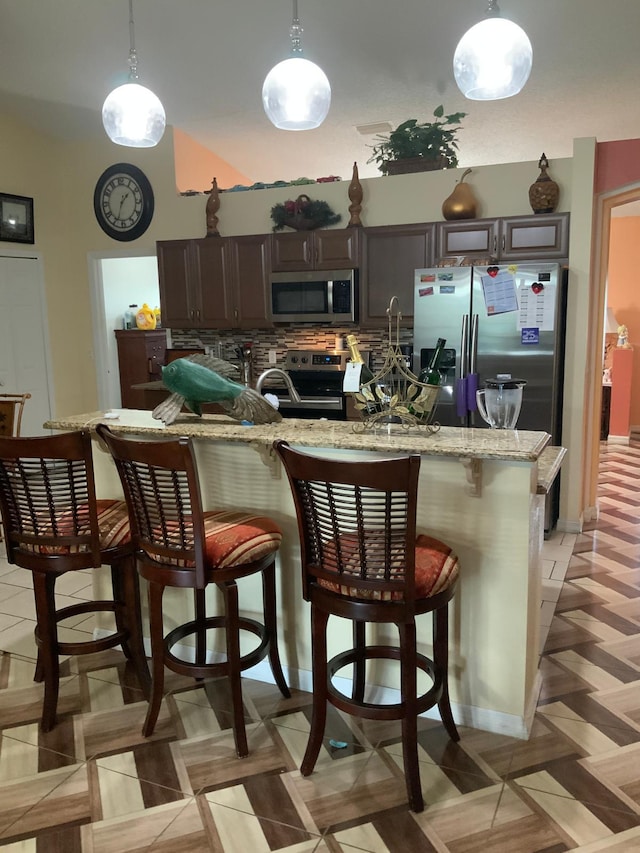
point(141, 354)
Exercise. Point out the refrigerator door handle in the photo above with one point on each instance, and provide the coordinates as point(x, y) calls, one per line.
point(473, 359)
point(461, 382)
point(464, 346)
point(472, 379)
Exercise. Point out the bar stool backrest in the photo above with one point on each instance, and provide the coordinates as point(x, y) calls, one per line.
point(48, 503)
point(162, 491)
point(357, 523)
point(11, 407)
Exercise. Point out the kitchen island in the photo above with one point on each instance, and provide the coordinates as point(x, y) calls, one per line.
point(481, 491)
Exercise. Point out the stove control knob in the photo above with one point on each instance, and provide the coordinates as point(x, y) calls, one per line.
point(304, 359)
point(294, 359)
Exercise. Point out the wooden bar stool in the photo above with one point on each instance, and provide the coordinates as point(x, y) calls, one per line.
point(180, 545)
point(361, 560)
point(54, 524)
point(11, 408)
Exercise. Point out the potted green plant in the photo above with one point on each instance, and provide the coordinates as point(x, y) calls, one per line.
point(414, 147)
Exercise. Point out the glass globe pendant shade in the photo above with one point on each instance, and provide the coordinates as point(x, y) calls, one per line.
point(296, 94)
point(133, 116)
point(492, 60)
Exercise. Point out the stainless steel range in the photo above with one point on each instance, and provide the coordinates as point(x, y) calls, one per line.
point(317, 377)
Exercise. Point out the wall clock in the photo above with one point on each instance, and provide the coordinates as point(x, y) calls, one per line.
point(123, 201)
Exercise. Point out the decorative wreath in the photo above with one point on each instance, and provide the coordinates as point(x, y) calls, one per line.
point(303, 214)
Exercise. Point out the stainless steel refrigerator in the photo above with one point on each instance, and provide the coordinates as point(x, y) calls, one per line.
point(500, 319)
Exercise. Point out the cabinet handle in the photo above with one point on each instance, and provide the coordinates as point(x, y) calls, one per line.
point(495, 244)
point(150, 365)
point(235, 314)
point(504, 242)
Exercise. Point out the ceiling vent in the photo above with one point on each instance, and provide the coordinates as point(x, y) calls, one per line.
point(376, 127)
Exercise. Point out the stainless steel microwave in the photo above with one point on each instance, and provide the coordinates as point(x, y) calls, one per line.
point(319, 296)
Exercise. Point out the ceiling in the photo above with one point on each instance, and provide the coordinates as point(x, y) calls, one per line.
point(387, 60)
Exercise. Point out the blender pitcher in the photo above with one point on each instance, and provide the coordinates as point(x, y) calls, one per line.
point(500, 400)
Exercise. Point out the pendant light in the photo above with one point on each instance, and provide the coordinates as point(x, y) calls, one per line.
point(132, 115)
point(296, 93)
point(493, 59)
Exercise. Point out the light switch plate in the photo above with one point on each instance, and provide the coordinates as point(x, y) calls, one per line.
point(272, 356)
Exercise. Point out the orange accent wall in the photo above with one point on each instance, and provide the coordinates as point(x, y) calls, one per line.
point(618, 164)
point(623, 292)
point(196, 166)
point(621, 392)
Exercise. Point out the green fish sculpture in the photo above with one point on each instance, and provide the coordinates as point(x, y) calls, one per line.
point(202, 379)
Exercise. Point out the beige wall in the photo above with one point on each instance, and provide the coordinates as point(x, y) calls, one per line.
point(61, 178)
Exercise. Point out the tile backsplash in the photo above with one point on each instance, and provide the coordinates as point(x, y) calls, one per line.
point(224, 343)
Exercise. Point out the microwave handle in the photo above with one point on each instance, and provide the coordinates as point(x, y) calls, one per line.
point(330, 297)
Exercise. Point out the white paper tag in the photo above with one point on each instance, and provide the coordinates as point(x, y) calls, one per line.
point(351, 381)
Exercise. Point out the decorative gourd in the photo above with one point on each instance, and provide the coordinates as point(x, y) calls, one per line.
point(461, 204)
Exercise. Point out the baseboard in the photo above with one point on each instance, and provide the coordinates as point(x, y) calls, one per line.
point(618, 439)
point(464, 715)
point(565, 526)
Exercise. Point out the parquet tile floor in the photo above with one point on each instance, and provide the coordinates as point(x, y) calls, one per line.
point(95, 785)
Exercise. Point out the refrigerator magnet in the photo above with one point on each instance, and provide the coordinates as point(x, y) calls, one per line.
point(530, 336)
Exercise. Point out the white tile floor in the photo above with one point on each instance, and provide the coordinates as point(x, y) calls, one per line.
point(556, 553)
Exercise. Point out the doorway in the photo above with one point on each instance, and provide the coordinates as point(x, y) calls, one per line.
point(117, 279)
point(605, 204)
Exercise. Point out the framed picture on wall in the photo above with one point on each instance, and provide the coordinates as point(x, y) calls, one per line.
point(16, 218)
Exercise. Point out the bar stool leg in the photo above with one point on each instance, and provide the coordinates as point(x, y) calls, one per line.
point(48, 665)
point(409, 689)
point(359, 667)
point(156, 591)
point(441, 661)
point(126, 589)
point(200, 609)
point(319, 620)
point(271, 626)
point(229, 591)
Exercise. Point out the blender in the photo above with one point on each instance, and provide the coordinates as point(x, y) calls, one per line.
point(500, 400)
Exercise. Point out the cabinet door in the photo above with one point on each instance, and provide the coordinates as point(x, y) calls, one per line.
point(250, 267)
point(140, 356)
point(336, 249)
point(390, 256)
point(156, 348)
point(212, 272)
point(175, 276)
point(545, 235)
point(475, 238)
point(292, 252)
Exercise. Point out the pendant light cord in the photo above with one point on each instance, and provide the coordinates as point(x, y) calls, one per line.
point(133, 57)
point(295, 31)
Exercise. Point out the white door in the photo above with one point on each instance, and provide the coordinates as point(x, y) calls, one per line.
point(24, 363)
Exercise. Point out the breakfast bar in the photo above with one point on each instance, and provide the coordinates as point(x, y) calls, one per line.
point(481, 491)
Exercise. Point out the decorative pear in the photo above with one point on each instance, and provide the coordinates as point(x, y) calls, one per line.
point(461, 204)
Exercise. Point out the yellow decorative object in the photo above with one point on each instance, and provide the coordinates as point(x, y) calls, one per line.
point(145, 318)
point(461, 204)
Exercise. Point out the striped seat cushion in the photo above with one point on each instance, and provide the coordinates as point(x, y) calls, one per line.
point(113, 523)
point(436, 569)
point(232, 537)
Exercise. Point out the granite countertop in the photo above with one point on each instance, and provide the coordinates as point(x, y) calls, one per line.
point(548, 466)
point(455, 442)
